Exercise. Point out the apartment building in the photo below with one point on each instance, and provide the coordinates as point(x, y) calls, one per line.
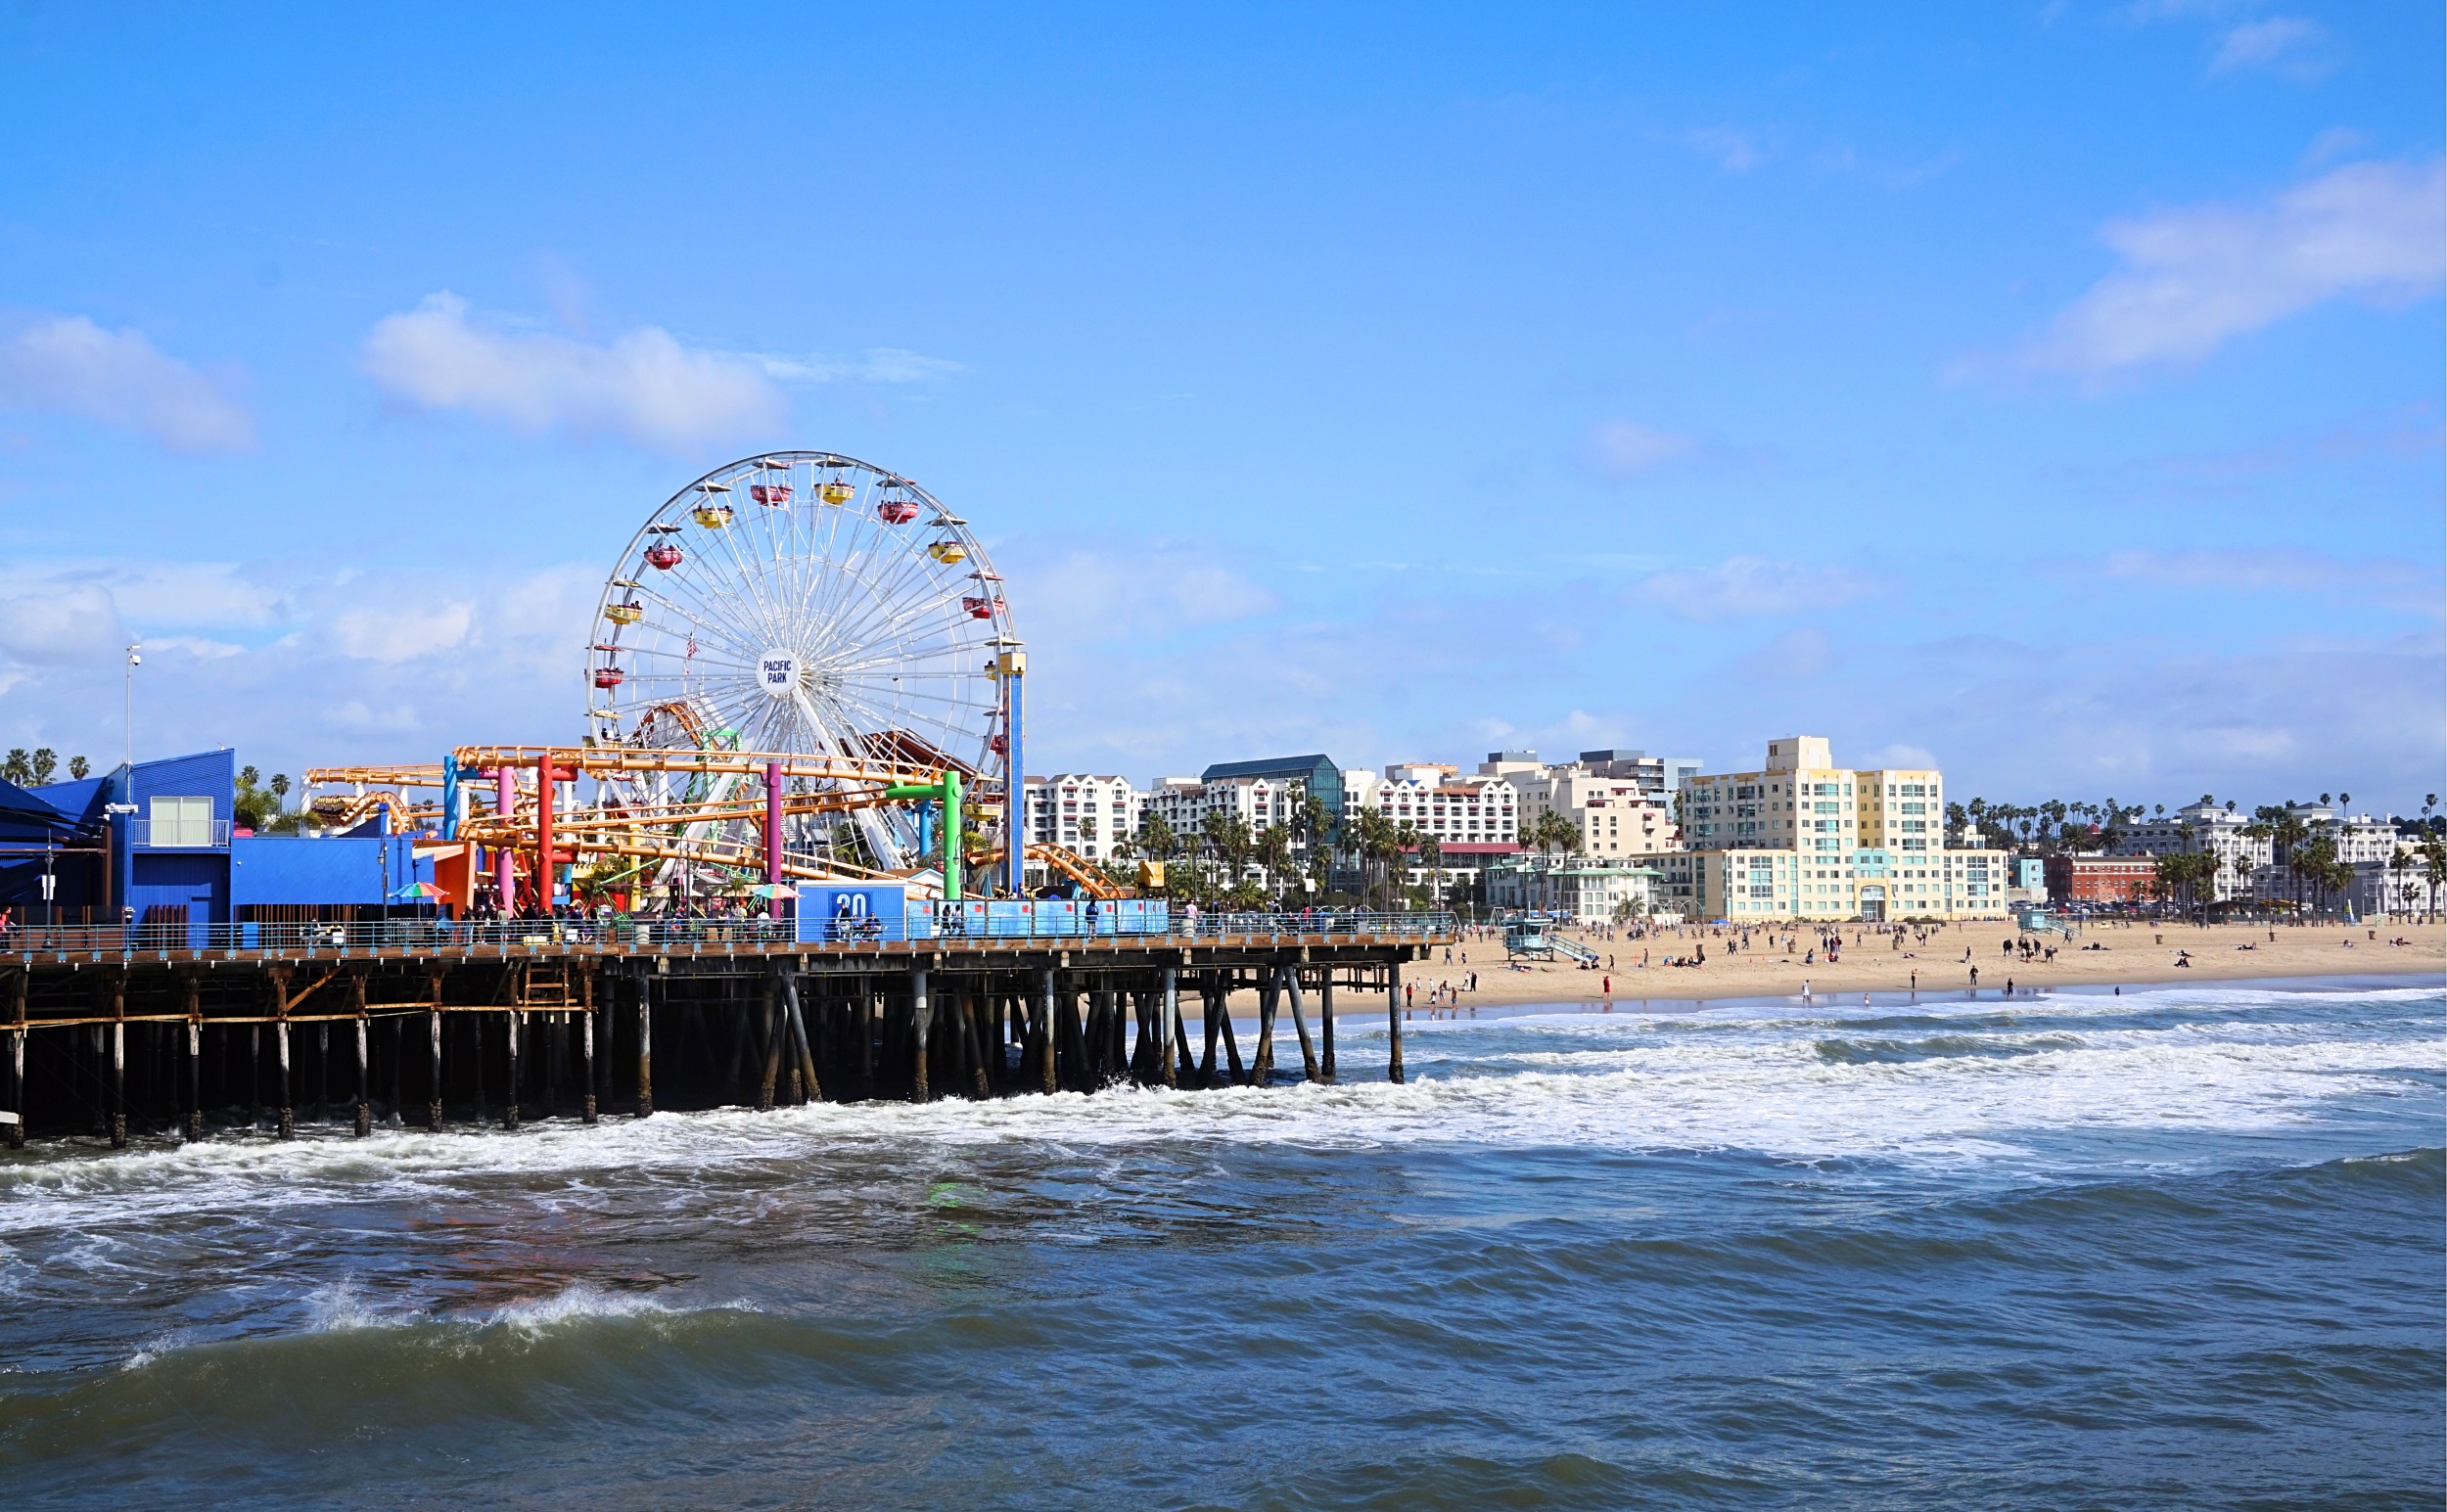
point(1081, 811)
point(1620, 801)
point(1803, 838)
point(2205, 828)
point(1260, 803)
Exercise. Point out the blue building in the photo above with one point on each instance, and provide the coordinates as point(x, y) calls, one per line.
point(154, 842)
point(1323, 778)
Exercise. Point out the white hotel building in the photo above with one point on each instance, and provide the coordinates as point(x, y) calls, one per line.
point(1082, 813)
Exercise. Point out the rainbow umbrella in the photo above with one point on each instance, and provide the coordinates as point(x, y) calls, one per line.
point(417, 889)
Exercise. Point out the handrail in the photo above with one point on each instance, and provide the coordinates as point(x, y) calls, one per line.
point(948, 923)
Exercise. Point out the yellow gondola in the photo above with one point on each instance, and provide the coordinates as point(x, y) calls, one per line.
point(947, 550)
point(835, 490)
point(629, 613)
point(712, 515)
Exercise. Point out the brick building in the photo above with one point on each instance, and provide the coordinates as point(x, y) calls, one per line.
point(2101, 879)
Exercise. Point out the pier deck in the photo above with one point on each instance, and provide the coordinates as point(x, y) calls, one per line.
point(189, 1031)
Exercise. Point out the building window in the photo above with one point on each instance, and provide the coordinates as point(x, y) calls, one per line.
point(182, 821)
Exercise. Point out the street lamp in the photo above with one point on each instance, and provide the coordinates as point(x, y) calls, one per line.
point(133, 662)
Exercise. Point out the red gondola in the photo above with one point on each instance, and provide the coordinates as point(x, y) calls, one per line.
point(663, 555)
point(897, 511)
point(1000, 745)
point(608, 677)
point(981, 608)
point(770, 493)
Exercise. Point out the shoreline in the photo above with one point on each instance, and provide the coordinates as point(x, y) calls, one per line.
point(2132, 956)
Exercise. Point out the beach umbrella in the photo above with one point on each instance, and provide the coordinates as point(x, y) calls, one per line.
point(773, 889)
point(417, 889)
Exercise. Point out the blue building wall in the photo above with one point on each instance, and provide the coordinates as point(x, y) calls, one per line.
point(287, 870)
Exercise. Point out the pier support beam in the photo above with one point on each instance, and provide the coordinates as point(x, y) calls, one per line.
point(433, 1026)
point(919, 1013)
point(645, 1046)
point(1325, 1021)
point(510, 1043)
point(17, 1061)
point(1170, 1032)
point(365, 1071)
point(1300, 1023)
point(587, 1045)
point(119, 1061)
point(195, 1058)
point(286, 1112)
point(1393, 1021)
point(810, 1088)
point(1045, 1032)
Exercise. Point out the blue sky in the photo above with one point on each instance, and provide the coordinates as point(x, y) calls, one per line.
point(2050, 392)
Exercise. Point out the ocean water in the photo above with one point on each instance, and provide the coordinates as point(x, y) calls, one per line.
point(2179, 1247)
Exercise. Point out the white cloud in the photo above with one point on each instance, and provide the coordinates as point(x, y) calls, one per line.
point(2383, 581)
point(401, 633)
point(1733, 150)
point(881, 365)
point(2195, 278)
point(643, 386)
point(1161, 589)
point(1621, 450)
point(1752, 586)
point(59, 623)
point(2276, 41)
point(68, 365)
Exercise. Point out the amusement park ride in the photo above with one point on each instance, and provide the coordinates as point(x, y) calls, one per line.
point(802, 669)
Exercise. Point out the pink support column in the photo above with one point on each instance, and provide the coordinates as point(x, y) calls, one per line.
point(774, 827)
point(504, 802)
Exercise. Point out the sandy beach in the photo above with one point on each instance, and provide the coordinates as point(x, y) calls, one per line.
point(2128, 953)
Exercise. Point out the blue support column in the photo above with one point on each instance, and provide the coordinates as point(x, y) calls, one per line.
point(1014, 667)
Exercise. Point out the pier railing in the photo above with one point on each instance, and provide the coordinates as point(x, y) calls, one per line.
point(945, 922)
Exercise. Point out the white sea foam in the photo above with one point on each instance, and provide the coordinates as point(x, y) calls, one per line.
point(1729, 1076)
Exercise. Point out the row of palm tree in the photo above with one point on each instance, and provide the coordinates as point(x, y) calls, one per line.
point(31, 769)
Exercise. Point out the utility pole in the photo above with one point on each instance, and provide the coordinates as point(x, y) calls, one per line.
point(134, 661)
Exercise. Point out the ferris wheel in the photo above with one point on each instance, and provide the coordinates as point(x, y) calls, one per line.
point(805, 603)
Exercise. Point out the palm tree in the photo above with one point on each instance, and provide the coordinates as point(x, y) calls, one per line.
point(1156, 837)
point(1273, 851)
point(1432, 857)
point(16, 769)
point(2433, 870)
point(46, 762)
point(77, 768)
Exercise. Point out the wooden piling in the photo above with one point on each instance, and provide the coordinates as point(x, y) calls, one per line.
point(586, 1048)
point(1045, 1032)
point(772, 1040)
point(287, 1127)
point(1168, 1030)
point(1392, 1022)
point(510, 1044)
point(919, 1090)
point(432, 1100)
point(810, 1089)
point(1206, 1004)
point(1262, 1065)
point(1231, 1040)
point(17, 1061)
point(119, 1061)
point(1300, 1023)
point(645, 1045)
point(1326, 1020)
point(195, 1058)
point(365, 1074)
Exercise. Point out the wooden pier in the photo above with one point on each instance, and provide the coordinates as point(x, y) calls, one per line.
point(124, 1041)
